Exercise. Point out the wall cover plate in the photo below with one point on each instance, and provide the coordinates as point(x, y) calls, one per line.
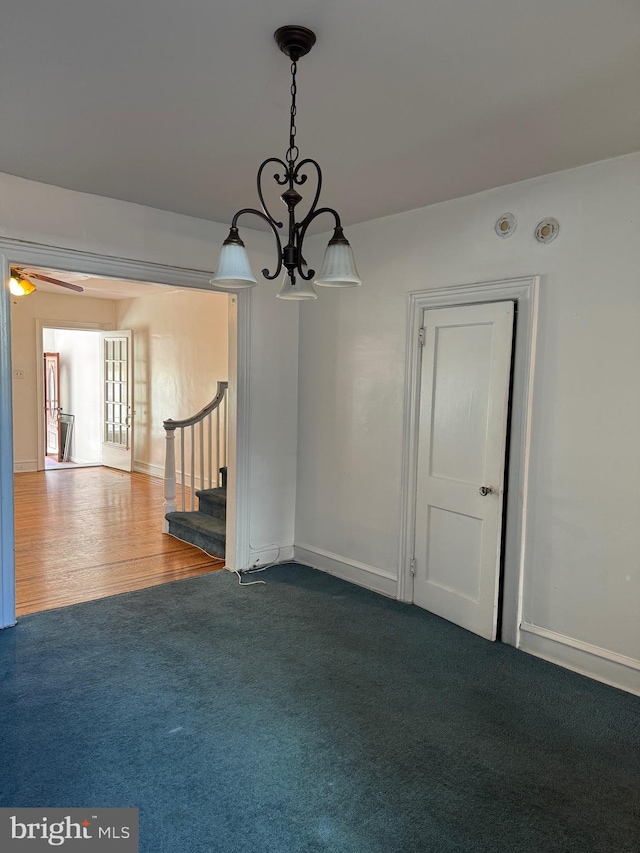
point(506, 225)
point(547, 230)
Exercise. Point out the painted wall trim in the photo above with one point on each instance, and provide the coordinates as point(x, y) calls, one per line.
point(141, 467)
point(7, 545)
point(74, 260)
point(370, 577)
point(523, 291)
point(22, 466)
point(52, 257)
point(598, 651)
point(238, 481)
point(272, 554)
point(585, 658)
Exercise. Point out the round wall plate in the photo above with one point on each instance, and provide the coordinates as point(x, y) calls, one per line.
point(547, 230)
point(506, 225)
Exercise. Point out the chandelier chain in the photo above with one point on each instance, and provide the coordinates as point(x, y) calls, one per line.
point(293, 153)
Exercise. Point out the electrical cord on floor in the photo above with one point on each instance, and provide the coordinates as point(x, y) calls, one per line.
point(241, 572)
point(255, 569)
point(249, 583)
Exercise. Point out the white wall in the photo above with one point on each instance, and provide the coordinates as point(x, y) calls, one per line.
point(80, 389)
point(582, 580)
point(45, 214)
point(180, 352)
point(25, 310)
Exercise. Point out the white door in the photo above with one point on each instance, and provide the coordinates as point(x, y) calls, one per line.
point(117, 411)
point(464, 400)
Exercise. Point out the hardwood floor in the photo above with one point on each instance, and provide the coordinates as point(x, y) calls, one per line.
point(85, 533)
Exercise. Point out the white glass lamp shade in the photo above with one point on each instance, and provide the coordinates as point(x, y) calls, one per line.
point(234, 270)
point(338, 266)
point(300, 290)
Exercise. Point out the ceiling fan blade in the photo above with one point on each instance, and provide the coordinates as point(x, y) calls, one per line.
point(67, 284)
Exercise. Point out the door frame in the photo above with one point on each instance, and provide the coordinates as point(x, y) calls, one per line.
point(524, 292)
point(51, 257)
point(70, 325)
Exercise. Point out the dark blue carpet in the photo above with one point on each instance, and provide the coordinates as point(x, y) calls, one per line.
point(311, 715)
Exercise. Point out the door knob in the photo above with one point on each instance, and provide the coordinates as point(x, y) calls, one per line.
point(485, 490)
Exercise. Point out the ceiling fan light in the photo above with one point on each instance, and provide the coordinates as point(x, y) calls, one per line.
point(21, 286)
point(296, 290)
point(338, 266)
point(234, 270)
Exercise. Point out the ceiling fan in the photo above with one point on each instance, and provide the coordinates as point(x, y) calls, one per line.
point(22, 282)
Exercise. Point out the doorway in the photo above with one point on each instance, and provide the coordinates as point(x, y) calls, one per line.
point(446, 541)
point(72, 422)
point(88, 381)
point(13, 252)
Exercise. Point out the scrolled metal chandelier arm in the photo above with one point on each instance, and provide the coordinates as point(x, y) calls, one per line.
point(300, 179)
point(306, 222)
point(285, 179)
point(235, 238)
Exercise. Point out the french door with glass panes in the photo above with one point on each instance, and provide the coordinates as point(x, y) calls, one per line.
point(117, 410)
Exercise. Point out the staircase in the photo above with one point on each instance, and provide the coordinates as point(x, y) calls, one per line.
point(206, 527)
point(202, 454)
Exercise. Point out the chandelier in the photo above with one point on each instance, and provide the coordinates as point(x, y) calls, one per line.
point(338, 267)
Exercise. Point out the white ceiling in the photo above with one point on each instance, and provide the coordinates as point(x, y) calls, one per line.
point(404, 102)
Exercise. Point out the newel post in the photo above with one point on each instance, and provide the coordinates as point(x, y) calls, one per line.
point(169, 472)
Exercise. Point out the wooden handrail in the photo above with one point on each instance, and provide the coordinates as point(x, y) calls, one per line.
point(202, 414)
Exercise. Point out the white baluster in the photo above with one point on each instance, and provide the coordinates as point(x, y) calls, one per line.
point(224, 429)
point(169, 475)
point(193, 466)
point(210, 449)
point(218, 446)
point(201, 438)
point(182, 474)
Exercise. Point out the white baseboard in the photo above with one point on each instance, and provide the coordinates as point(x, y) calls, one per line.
point(21, 467)
point(593, 661)
point(266, 556)
point(141, 467)
point(271, 554)
point(361, 574)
